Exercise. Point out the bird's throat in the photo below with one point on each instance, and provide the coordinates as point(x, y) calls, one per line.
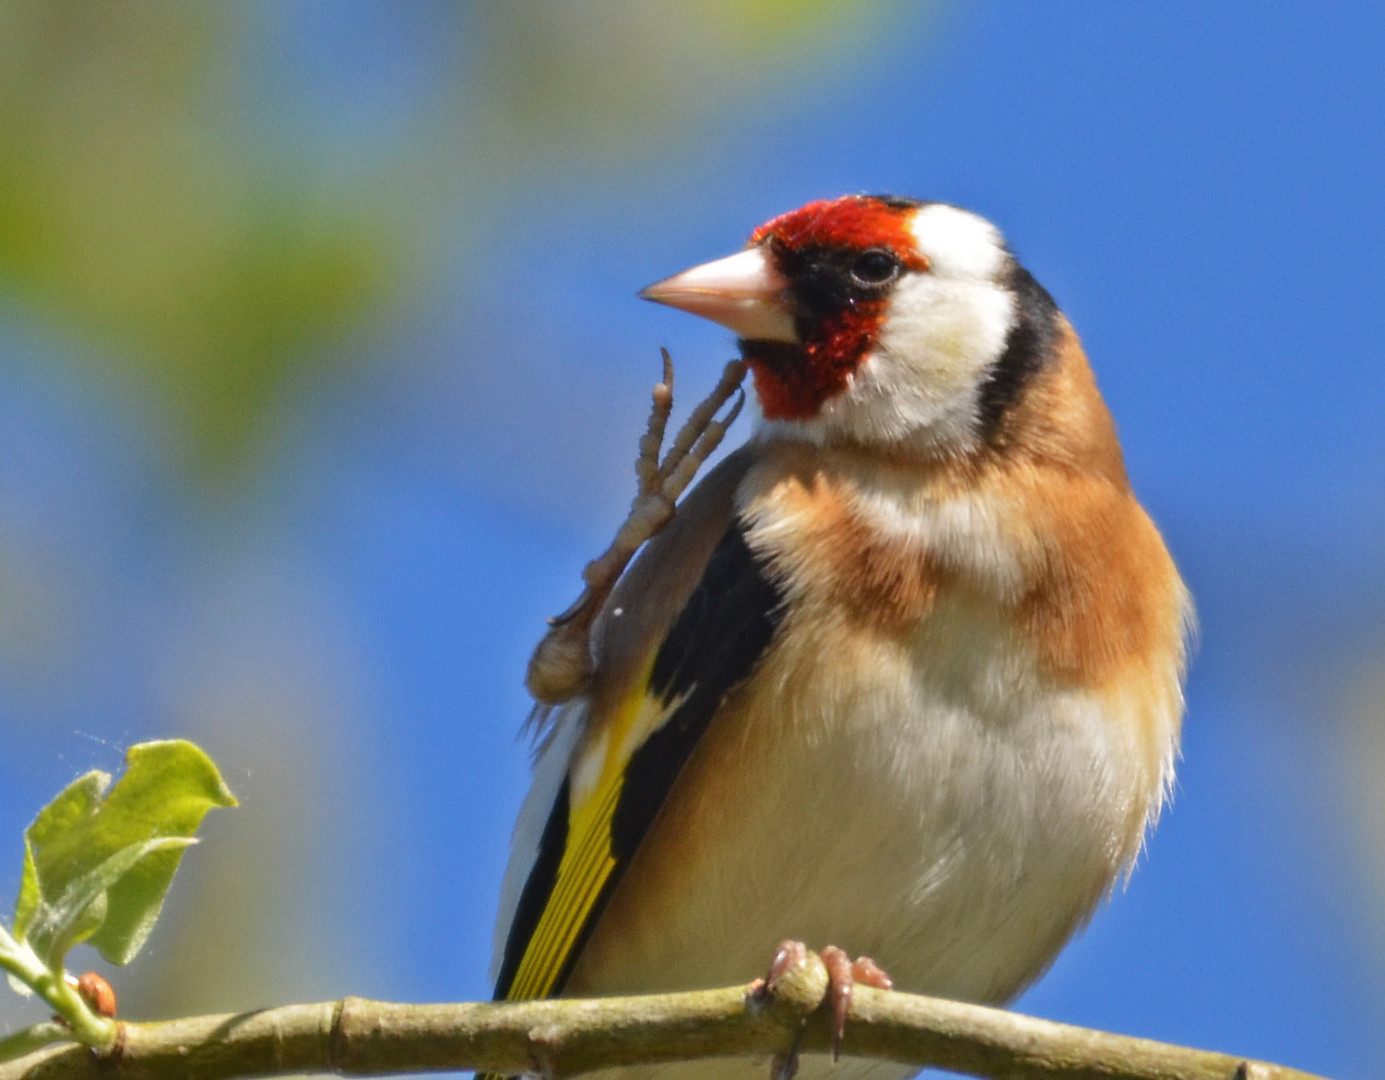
point(794, 381)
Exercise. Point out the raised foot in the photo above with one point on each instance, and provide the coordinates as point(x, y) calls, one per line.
point(562, 664)
point(843, 974)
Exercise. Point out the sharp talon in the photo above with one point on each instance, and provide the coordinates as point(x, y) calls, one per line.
point(842, 977)
point(668, 368)
point(840, 983)
point(867, 971)
point(736, 408)
point(788, 954)
point(784, 1066)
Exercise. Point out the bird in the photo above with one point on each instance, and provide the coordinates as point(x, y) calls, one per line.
point(904, 673)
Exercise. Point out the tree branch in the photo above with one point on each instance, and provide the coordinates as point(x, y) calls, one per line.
point(356, 1037)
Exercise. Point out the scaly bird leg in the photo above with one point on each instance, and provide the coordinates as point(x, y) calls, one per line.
point(562, 663)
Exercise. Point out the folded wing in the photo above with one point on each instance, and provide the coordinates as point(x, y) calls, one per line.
point(623, 752)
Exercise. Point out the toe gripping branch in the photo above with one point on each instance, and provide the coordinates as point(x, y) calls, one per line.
point(562, 663)
point(794, 964)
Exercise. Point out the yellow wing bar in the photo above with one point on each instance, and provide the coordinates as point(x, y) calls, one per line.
point(586, 866)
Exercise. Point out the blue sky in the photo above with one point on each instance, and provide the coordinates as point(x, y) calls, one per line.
point(1199, 187)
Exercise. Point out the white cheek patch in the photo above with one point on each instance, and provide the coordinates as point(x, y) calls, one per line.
point(922, 382)
point(945, 328)
point(946, 332)
point(957, 243)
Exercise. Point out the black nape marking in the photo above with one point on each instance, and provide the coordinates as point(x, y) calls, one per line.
point(1028, 349)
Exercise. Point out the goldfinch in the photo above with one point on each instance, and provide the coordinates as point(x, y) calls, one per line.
point(904, 672)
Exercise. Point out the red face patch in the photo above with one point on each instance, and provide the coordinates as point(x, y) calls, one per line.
point(854, 222)
point(793, 381)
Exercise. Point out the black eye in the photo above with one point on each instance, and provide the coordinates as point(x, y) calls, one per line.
point(874, 268)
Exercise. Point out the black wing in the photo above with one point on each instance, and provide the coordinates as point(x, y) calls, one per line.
point(712, 645)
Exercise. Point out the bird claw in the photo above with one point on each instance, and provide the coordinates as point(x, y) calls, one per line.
point(842, 976)
point(562, 664)
point(788, 954)
point(785, 1066)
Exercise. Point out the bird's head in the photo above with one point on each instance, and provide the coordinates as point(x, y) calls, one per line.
point(878, 320)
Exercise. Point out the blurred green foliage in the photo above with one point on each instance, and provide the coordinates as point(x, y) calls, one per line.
point(137, 213)
point(151, 209)
point(99, 858)
point(215, 211)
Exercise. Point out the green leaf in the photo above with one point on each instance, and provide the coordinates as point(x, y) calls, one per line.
point(84, 904)
point(58, 820)
point(99, 859)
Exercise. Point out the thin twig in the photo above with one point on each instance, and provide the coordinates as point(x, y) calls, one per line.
point(356, 1037)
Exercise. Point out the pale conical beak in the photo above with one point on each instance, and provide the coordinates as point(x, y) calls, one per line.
point(742, 292)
